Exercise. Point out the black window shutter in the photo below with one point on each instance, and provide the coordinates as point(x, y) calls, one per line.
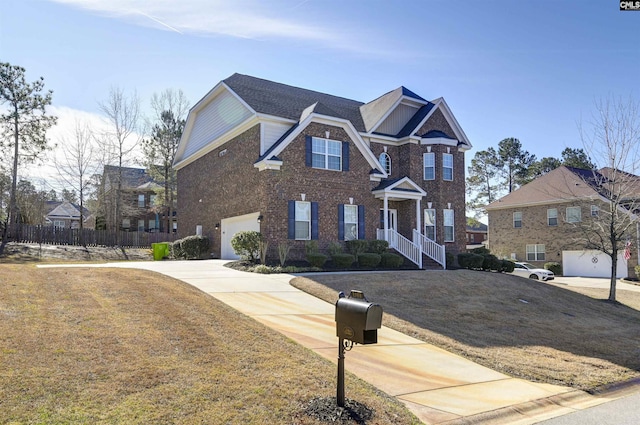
point(340, 222)
point(314, 220)
point(292, 220)
point(361, 222)
point(307, 157)
point(345, 156)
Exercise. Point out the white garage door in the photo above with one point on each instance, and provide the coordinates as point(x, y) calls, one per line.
point(591, 264)
point(230, 226)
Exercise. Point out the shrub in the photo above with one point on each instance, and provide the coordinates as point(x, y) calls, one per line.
point(507, 266)
point(283, 252)
point(316, 259)
point(247, 244)
point(491, 262)
point(391, 260)
point(450, 259)
point(378, 246)
point(190, 248)
point(357, 247)
point(264, 247)
point(554, 267)
point(311, 247)
point(369, 259)
point(481, 250)
point(335, 248)
point(470, 261)
point(342, 261)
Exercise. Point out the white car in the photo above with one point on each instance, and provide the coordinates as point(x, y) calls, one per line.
point(530, 271)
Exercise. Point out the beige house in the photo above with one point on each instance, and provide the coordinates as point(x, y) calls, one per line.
point(548, 220)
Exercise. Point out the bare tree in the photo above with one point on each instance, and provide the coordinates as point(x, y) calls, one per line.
point(170, 108)
point(78, 165)
point(612, 138)
point(123, 113)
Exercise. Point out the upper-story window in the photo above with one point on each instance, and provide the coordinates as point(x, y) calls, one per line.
point(552, 216)
point(152, 199)
point(326, 154)
point(141, 200)
point(429, 160)
point(385, 161)
point(595, 211)
point(447, 166)
point(517, 219)
point(574, 215)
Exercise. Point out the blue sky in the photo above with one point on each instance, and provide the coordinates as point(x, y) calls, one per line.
point(525, 69)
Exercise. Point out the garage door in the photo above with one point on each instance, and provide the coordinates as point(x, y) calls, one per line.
point(591, 264)
point(230, 226)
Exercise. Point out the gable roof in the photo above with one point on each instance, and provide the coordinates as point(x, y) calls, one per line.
point(64, 209)
point(477, 227)
point(132, 178)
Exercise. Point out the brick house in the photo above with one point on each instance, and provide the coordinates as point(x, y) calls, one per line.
point(299, 165)
point(476, 234)
point(543, 221)
point(139, 211)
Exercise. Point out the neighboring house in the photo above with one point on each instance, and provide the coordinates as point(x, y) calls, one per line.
point(540, 222)
point(476, 235)
point(65, 215)
point(139, 209)
point(299, 165)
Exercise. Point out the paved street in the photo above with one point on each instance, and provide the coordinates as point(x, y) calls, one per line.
point(625, 411)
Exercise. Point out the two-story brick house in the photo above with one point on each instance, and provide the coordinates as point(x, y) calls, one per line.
point(299, 165)
point(546, 220)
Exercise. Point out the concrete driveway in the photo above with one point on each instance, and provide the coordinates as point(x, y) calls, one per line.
point(594, 282)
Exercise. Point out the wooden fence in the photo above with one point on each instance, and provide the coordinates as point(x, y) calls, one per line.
point(50, 235)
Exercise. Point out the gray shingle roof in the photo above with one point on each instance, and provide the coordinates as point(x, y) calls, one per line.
point(131, 177)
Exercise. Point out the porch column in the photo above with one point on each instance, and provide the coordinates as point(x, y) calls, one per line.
point(418, 217)
point(385, 209)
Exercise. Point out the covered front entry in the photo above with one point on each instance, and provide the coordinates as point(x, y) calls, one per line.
point(230, 226)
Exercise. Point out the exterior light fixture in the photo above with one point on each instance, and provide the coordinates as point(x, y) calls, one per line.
point(217, 226)
point(260, 217)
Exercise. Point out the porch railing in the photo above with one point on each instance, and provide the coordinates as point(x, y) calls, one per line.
point(430, 248)
point(403, 245)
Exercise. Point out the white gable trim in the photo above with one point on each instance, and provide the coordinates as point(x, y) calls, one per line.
point(406, 99)
point(438, 141)
point(391, 193)
point(336, 122)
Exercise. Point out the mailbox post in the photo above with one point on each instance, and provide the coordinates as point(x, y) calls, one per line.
point(357, 321)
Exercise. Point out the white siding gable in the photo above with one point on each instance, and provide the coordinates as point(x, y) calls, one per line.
point(220, 116)
point(397, 119)
point(271, 132)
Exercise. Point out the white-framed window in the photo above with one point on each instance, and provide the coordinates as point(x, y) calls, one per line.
point(126, 223)
point(595, 211)
point(141, 200)
point(326, 154)
point(303, 220)
point(350, 222)
point(574, 215)
point(385, 161)
point(152, 225)
point(59, 224)
point(140, 225)
point(430, 223)
point(517, 219)
point(535, 252)
point(552, 216)
point(447, 166)
point(429, 160)
point(152, 200)
point(448, 218)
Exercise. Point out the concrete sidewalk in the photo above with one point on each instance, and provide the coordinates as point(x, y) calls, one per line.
point(437, 386)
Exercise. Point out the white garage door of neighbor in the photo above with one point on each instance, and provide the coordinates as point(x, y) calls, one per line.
point(230, 226)
point(591, 264)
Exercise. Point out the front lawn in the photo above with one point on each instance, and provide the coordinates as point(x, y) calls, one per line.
point(518, 326)
point(112, 346)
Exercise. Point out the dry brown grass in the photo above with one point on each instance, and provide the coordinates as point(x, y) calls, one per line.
point(518, 326)
point(107, 346)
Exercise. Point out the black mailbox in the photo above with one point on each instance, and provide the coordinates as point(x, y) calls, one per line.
point(357, 319)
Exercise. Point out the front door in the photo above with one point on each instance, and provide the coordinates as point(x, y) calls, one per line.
point(393, 219)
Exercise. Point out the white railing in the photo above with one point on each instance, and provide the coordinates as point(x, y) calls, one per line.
point(403, 245)
point(430, 248)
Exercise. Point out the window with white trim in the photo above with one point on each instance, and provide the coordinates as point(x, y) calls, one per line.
point(430, 223)
point(152, 200)
point(385, 161)
point(350, 222)
point(595, 211)
point(59, 224)
point(447, 167)
point(574, 215)
point(429, 161)
point(517, 219)
point(448, 225)
point(326, 154)
point(141, 200)
point(535, 252)
point(140, 225)
point(303, 221)
point(552, 216)
point(152, 225)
